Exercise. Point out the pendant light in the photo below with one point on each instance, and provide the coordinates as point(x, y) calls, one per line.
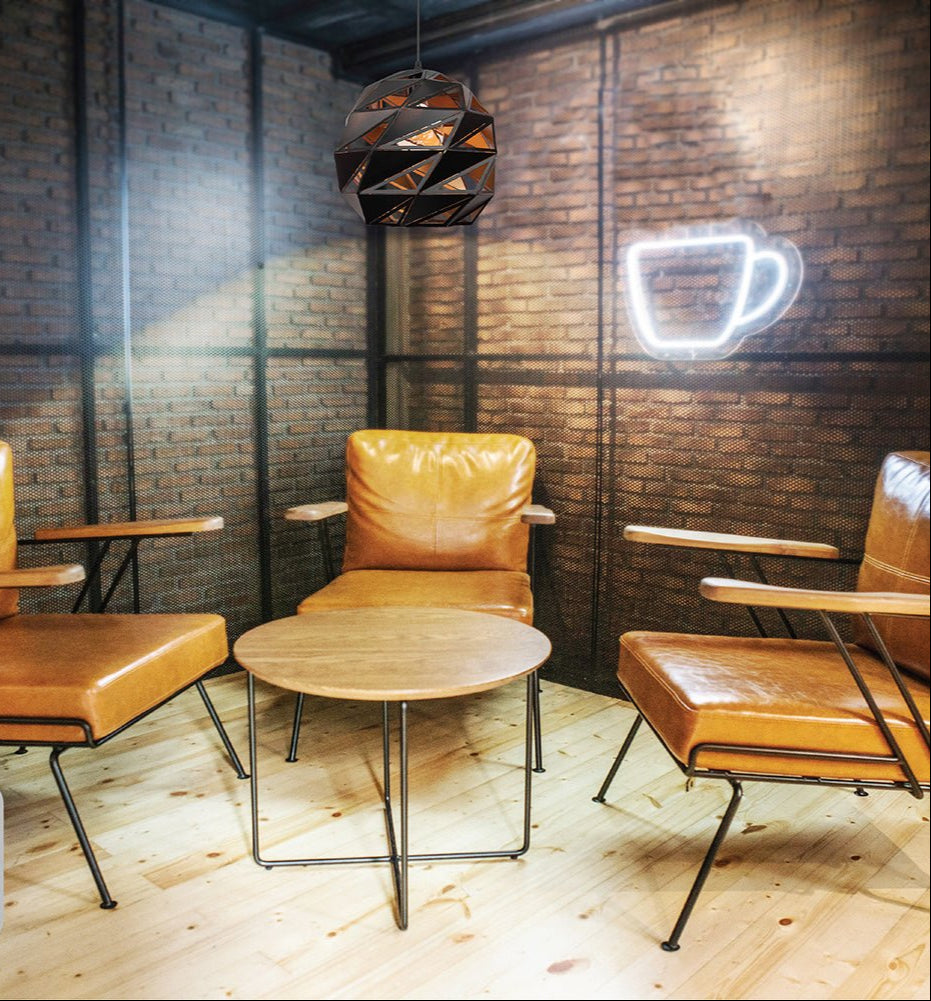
point(417, 149)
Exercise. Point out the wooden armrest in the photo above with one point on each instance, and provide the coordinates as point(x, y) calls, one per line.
point(130, 529)
point(62, 573)
point(731, 543)
point(746, 592)
point(537, 514)
point(316, 512)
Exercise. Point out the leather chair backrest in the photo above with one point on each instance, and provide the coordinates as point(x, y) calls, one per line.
point(895, 556)
point(9, 597)
point(436, 501)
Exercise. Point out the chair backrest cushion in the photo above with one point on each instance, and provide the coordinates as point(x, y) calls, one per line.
point(437, 501)
point(9, 597)
point(895, 556)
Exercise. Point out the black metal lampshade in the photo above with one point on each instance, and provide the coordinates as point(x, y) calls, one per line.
point(417, 150)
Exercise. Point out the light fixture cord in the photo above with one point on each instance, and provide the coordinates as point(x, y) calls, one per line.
point(417, 64)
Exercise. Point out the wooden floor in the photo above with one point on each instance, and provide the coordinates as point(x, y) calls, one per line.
point(817, 893)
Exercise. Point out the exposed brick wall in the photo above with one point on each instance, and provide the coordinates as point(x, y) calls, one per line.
point(39, 397)
point(809, 117)
point(539, 245)
point(313, 407)
point(317, 270)
point(38, 250)
point(316, 297)
point(190, 260)
point(192, 280)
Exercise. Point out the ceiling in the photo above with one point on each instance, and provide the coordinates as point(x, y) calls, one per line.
point(369, 38)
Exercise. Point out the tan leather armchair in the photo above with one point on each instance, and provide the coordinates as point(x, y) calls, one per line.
point(77, 679)
point(783, 709)
point(433, 520)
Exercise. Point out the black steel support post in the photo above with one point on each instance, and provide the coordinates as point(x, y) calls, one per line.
point(376, 328)
point(259, 323)
point(85, 295)
point(470, 373)
point(606, 258)
point(126, 289)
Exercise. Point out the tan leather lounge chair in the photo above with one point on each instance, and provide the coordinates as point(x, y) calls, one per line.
point(791, 710)
point(433, 519)
point(79, 679)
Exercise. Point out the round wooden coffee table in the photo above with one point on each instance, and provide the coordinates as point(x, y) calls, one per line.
point(392, 655)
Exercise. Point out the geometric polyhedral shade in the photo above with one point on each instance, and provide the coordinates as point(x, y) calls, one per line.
point(417, 150)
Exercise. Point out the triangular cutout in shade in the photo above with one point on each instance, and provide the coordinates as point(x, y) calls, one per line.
point(473, 125)
point(347, 163)
point(388, 163)
point(455, 163)
point(376, 207)
point(426, 206)
point(362, 123)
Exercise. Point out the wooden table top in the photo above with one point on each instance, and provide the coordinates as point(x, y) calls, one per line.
point(391, 654)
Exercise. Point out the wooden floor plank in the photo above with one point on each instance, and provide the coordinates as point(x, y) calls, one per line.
point(819, 894)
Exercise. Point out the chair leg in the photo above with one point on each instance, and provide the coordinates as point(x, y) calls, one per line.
point(672, 943)
point(612, 771)
point(537, 725)
point(106, 901)
point(296, 727)
point(221, 730)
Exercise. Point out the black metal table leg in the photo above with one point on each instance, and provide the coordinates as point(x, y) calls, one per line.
point(399, 855)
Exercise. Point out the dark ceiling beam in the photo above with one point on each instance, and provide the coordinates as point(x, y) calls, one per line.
point(213, 10)
point(488, 26)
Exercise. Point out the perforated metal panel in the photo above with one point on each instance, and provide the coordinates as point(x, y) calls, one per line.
point(252, 323)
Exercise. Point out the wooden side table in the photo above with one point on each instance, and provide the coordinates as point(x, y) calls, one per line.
point(392, 655)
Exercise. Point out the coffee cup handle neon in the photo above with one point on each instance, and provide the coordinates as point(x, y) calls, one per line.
point(782, 278)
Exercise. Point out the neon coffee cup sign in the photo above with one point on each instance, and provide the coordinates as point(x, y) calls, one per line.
point(699, 293)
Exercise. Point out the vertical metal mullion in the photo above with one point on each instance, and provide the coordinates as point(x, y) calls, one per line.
point(259, 322)
point(470, 306)
point(598, 539)
point(376, 332)
point(126, 285)
point(470, 329)
point(85, 298)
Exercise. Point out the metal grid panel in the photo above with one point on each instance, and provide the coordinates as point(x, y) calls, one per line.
point(783, 437)
point(314, 404)
point(555, 406)
point(425, 396)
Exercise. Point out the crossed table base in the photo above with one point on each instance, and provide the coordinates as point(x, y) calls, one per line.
point(392, 655)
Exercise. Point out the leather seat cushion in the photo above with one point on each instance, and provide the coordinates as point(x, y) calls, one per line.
point(787, 694)
point(105, 669)
point(498, 592)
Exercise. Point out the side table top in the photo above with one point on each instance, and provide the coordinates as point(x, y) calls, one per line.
point(391, 654)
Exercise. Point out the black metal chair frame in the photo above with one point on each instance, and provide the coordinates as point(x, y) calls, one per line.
point(97, 551)
point(59, 747)
point(691, 770)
